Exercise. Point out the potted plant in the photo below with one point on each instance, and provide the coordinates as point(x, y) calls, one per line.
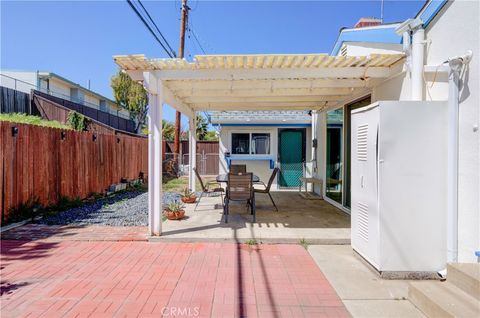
point(174, 211)
point(188, 196)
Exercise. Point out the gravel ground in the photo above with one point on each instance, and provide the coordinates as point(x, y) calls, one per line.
point(123, 209)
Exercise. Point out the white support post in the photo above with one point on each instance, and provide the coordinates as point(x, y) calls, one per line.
point(155, 204)
point(192, 152)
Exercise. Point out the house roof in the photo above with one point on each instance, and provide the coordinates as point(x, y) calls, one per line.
point(61, 78)
point(385, 33)
point(260, 82)
point(260, 117)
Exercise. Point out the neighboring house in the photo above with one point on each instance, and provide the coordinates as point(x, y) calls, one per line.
point(263, 140)
point(58, 86)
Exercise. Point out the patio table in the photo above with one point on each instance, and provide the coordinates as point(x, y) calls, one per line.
point(224, 178)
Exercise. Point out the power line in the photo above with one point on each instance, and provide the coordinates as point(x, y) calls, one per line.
point(149, 28)
point(156, 27)
point(196, 39)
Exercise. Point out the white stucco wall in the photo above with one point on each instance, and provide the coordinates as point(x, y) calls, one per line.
point(364, 48)
point(455, 30)
point(26, 81)
point(59, 88)
point(261, 167)
point(92, 101)
point(450, 34)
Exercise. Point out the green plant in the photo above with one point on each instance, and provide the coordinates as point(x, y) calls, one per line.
point(24, 211)
point(175, 206)
point(77, 121)
point(304, 243)
point(187, 193)
point(32, 120)
point(65, 203)
point(131, 96)
point(251, 242)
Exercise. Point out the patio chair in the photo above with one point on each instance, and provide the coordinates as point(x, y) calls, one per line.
point(239, 188)
point(206, 188)
point(268, 186)
point(236, 169)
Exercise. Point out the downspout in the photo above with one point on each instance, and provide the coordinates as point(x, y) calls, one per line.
point(456, 65)
point(418, 42)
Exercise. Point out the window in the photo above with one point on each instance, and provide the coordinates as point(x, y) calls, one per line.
point(240, 144)
point(260, 144)
point(255, 143)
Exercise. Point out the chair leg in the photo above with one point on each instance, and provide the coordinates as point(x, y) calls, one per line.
point(254, 210)
point(225, 210)
point(273, 201)
point(198, 202)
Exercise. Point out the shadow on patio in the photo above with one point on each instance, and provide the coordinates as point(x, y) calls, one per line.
point(315, 221)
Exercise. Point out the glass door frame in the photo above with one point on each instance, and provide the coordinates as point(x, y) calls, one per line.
point(345, 108)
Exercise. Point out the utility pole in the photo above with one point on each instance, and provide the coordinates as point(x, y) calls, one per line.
point(178, 115)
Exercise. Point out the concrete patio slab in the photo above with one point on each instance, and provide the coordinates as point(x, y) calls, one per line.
point(139, 279)
point(315, 221)
point(76, 233)
point(363, 292)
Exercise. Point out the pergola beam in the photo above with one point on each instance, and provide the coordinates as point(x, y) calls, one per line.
point(274, 84)
point(212, 93)
point(180, 105)
point(276, 73)
point(260, 99)
point(260, 106)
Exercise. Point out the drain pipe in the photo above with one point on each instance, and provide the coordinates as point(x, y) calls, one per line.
point(456, 65)
point(413, 28)
point(418, 42)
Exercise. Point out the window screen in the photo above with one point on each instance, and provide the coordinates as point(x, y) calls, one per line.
point(260, 144)
point(240, 144)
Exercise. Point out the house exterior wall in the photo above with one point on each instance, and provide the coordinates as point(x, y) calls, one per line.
point(259, 167)
point(453, 31)
point(26, 81)
point(59, 88)
point(363, 48)
point(92, 101)
point(450, 34)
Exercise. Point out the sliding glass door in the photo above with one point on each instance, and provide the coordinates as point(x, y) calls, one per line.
point(334, 159)
point(338, 152)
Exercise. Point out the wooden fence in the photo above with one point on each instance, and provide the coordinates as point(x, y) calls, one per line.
point(46, 163)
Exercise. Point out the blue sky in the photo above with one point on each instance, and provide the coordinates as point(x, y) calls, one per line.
point(77, 39)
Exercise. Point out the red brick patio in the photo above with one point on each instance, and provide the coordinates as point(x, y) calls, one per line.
point(120, 279)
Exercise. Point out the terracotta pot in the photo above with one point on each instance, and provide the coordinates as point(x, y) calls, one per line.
point(189, 200)
point(174, 215)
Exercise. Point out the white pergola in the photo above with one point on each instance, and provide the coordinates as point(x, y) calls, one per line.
point(245, 82)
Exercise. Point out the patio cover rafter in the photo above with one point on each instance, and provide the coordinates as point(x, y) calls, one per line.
point(262, 82)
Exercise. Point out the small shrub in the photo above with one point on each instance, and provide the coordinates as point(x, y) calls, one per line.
point(187, 193)
point(24, 211)
point(65, 203)
point(251, 242)
point(304, 243)
point(174, 206)
point(77, 121)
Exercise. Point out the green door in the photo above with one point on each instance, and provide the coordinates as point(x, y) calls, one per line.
point(291, 152)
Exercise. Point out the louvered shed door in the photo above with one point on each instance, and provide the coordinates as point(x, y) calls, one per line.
point(365, 238)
